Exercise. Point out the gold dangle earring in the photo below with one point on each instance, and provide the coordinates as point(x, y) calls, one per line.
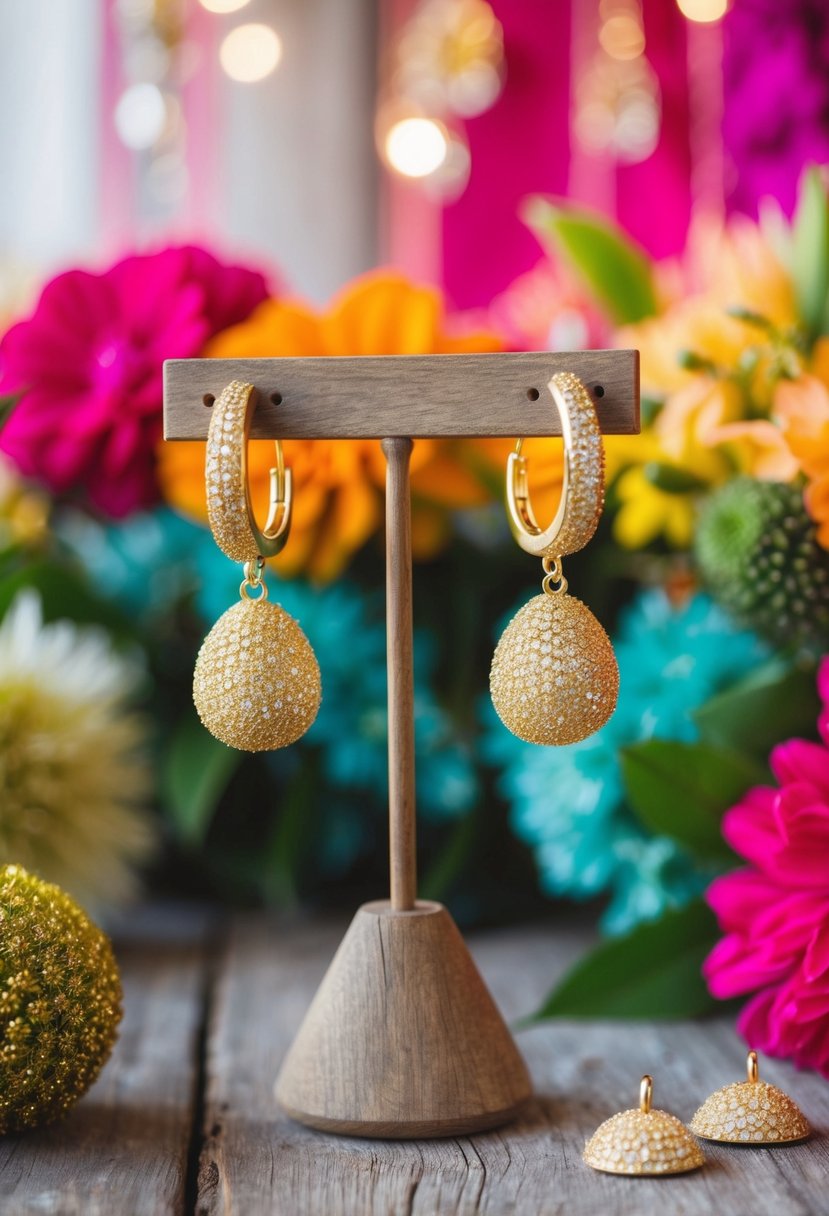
point(554, 677)
point(257, 681)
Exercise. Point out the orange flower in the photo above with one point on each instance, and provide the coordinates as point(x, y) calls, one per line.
point(338, 502)
point(806, 404)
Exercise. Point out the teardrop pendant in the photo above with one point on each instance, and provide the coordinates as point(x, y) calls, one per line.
point(257, 681)
point(554, 677)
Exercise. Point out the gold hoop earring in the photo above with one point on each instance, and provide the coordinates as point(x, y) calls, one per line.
point(229, 508)
point(256, 684)
point(554, 677)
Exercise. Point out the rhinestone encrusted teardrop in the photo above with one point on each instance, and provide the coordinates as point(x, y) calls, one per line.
point(554, 677)
point(257, 681)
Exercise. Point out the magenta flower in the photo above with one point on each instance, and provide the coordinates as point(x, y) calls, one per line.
point(775, 914)
point(88, 364)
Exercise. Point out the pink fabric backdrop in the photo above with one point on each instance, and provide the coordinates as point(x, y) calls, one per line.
point(522, 146)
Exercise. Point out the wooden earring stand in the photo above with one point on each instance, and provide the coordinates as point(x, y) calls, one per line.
point(402, 1039)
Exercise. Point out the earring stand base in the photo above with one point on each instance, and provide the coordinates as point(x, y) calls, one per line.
point(403, 1040)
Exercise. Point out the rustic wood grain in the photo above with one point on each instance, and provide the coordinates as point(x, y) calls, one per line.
point(402, 1039)
point(400, 668)
point(256, 1161)
point(123, 1151)
point(403, 395)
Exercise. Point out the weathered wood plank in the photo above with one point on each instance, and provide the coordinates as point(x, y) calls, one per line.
point(123, 1151)
point(412, 396)
point(255, 1161)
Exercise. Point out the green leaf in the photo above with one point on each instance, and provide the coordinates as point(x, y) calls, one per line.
point(449, 863)
point(653, 972)
point(651, 408)
point(810, 252)
point(750, 317)
point(617, 272)
point(7, 403)
point(692, 361)
point(64, 594)
point(196, 771)
point(672, 479)
point(681, 790)
point(293, 834)
point(775, 702)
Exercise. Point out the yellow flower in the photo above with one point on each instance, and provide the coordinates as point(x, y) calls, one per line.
point(646, 512)
point(725, 366)
point(658, 495)
point(741, 268)
point(338, 502)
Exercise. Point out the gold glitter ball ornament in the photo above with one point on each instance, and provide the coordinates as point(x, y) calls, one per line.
point(750, 1112)
point(643, 1142)
point(257, 681)
point(60, 1001)
point(554, 677)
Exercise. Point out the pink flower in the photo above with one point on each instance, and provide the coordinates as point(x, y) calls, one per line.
point(544, 309)
point(775, 914)
point(89, 365)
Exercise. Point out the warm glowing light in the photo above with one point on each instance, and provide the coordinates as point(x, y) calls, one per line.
point(703, 10)
point(618, 108)
point(416, 147)
point(140, 116)
point(223, 6)
point(250, 52)
point(622, 36)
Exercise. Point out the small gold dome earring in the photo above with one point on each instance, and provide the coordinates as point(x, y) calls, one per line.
point(750, 1112)
point(554, 677)
point(257, 681)
point(643, 1142)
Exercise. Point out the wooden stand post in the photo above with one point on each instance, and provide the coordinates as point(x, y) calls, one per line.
point(400, 666)
point(402, 1038)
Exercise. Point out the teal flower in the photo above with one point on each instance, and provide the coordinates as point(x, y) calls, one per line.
point(568, 803)
point(144, 564)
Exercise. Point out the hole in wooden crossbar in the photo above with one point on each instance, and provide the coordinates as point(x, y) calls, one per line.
point(532, 394)
point(276, 398)
point(208, 399)
point(598, 390)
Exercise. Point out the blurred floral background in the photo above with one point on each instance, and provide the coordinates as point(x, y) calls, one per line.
point(463, 176)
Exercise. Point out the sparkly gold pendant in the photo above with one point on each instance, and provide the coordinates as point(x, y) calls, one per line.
point(643, 1142)
point(257, 681)
point(554, 677)
point(750, 1112)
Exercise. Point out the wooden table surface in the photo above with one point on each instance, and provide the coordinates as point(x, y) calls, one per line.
point(182, 1120)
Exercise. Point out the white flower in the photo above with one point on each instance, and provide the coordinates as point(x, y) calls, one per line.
point(74, 775)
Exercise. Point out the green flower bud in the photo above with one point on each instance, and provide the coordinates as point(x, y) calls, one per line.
point(757, 550)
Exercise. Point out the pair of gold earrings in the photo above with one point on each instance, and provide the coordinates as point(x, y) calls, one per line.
point(647, 1142)
point(554, 677)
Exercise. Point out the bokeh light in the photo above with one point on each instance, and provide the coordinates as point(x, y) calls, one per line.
point(621, 35)
point(704, 11)
point(140, 116)
point(223, 6)
point(416, 147)
point(250, 52)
